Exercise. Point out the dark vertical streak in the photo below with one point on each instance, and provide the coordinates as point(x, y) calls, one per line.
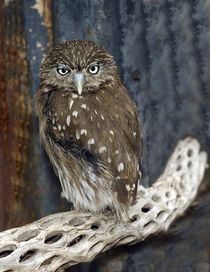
point(146, 113)
point(5, 155)
point(40, 35)
point(173, 46)
point(144, 17)
point(201, 70)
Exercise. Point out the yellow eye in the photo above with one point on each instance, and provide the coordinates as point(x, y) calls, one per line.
point(93, 69)
point(63, 70)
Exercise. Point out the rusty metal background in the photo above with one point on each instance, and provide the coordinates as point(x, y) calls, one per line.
point(161, 49)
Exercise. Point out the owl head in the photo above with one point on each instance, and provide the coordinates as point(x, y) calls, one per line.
point(78, 66)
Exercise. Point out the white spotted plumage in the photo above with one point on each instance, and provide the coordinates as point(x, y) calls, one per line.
point(71, 104)
point(120, 167)
point(83, 106)
point(68, 120)
point(83, 131)
point(75, 113)
point(91, 141)
point(102, 149)
point(92, 131)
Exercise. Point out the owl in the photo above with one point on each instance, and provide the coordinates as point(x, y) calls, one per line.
point(90, 128)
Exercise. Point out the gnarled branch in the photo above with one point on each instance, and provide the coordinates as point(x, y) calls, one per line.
point(64, 239)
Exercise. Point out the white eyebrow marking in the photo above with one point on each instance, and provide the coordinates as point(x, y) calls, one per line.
point(68, 120)
point(91, 141)
point(83, 131)
point(84, 106)
point(102, 149)
point(70, 104)
point(111, 132)
point(75, 113)
point(120, 167)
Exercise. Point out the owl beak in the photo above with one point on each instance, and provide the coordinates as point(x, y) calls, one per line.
point(79, 82)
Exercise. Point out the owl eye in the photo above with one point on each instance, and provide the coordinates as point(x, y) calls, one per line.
point(93, 69)
point(63, 70)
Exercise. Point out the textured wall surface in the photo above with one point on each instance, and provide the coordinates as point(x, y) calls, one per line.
point(161, 50)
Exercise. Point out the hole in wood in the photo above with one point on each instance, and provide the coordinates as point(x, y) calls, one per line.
point(27, 235)
point(127, 240)
point(146, 208)
point(77, 221)
point(189, 165)
point(96, 247)
point(65, 266)
point(76, 240)
point(47, 223)
point(51, 239)
point(179, 157)
point(189, 152)
point(141, 193)
point(155, 198)
point(182, 186)
point(134, 218)
point(182, 176)
point(6, 251)
point(95, 226)
point(51, 221)
point(30, 253)
point(178, 168)
point(149, 225)
point(168, 194)
point(49, 260)
point(161, 214)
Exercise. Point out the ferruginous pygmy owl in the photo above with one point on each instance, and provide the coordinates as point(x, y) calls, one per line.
point(90, 127)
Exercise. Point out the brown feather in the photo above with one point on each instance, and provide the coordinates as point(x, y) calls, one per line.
point(94, 139)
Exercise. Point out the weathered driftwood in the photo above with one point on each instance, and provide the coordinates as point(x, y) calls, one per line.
point(64, 239)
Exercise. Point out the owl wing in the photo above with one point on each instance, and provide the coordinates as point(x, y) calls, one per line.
point(126, 163)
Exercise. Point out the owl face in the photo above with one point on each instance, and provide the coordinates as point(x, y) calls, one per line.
point(78, 67)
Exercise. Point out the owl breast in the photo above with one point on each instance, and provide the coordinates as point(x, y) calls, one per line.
point(105, 141)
